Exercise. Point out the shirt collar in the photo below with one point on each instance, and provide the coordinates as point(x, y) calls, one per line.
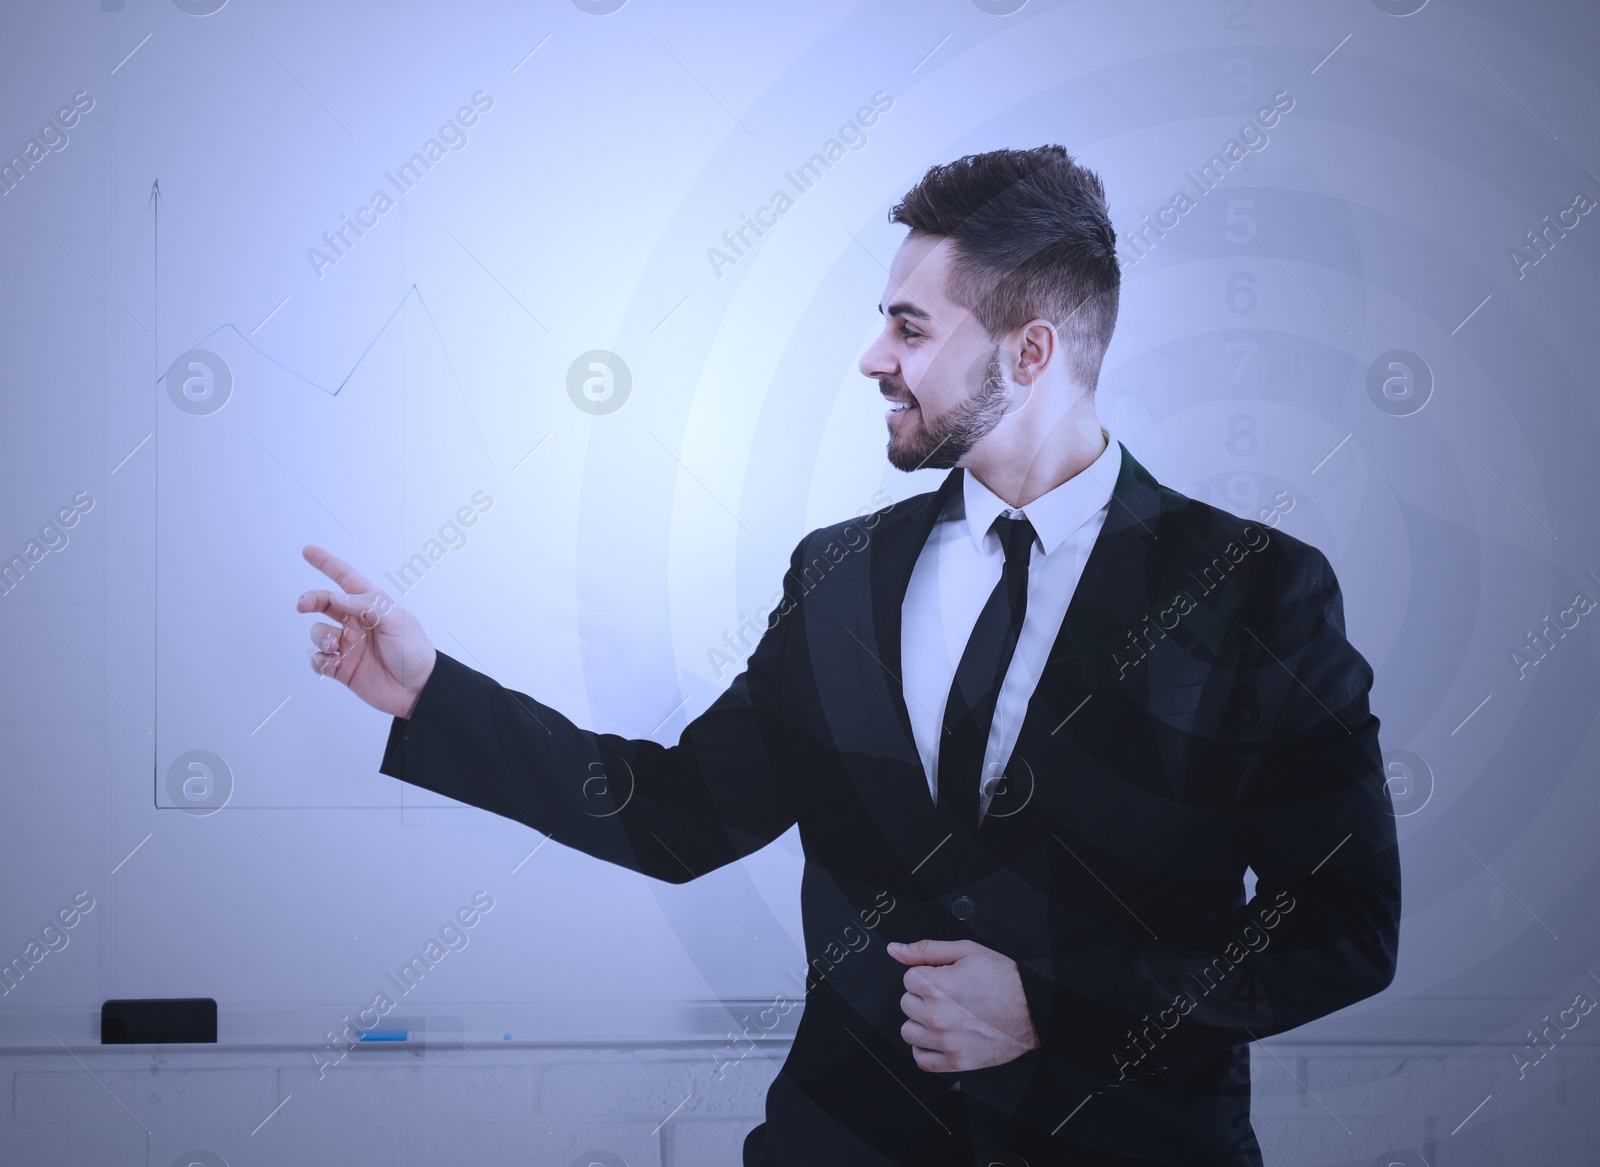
point(1055, 514)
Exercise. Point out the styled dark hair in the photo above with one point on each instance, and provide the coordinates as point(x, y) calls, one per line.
point(1031, 239)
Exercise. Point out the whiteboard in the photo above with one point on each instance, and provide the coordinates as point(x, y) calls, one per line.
point(564, 326)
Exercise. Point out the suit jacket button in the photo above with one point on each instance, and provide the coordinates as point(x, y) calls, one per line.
point(963, 907)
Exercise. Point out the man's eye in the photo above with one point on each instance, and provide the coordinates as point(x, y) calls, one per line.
point(908, 332)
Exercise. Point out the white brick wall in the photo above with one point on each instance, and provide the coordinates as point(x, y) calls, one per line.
point(1314, 1104)
point(661, 1107)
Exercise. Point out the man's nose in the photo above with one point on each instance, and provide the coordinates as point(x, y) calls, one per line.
point(874, 362)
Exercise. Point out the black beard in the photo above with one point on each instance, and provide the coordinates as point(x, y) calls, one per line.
point(941, 443)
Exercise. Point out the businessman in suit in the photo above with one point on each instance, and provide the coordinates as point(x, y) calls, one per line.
point(1034, 726)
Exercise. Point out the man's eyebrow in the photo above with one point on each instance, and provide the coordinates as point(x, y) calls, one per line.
point(905, 308)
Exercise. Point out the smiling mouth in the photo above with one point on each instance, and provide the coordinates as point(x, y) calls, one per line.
point(897, 406)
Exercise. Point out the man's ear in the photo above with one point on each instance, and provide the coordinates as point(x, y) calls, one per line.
point(1037, 346)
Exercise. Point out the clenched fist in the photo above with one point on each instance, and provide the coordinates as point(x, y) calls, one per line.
point(964, 1006)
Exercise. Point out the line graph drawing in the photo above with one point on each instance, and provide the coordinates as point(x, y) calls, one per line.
point(343, 381)
point(154, 204)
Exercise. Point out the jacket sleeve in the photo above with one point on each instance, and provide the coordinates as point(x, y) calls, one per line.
point(671, 812)
point(1317, 827)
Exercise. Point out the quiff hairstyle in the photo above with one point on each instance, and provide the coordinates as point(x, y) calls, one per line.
point(1031, 239)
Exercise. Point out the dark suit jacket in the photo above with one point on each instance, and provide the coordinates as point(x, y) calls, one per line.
point(1201, 712)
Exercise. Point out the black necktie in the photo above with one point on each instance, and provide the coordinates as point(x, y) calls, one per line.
point(969, 710)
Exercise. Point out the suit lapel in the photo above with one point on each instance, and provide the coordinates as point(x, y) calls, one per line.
point(894, 554)
point(1110, 595)
point(898, 794)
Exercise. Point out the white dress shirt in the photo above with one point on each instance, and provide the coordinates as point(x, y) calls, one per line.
point(956, 570)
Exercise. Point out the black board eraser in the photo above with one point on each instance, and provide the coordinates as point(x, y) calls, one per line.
point(164, 1019)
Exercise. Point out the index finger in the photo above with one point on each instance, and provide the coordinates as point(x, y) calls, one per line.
point(351, 581)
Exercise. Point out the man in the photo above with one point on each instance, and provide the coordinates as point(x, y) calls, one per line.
point(1034, 729)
